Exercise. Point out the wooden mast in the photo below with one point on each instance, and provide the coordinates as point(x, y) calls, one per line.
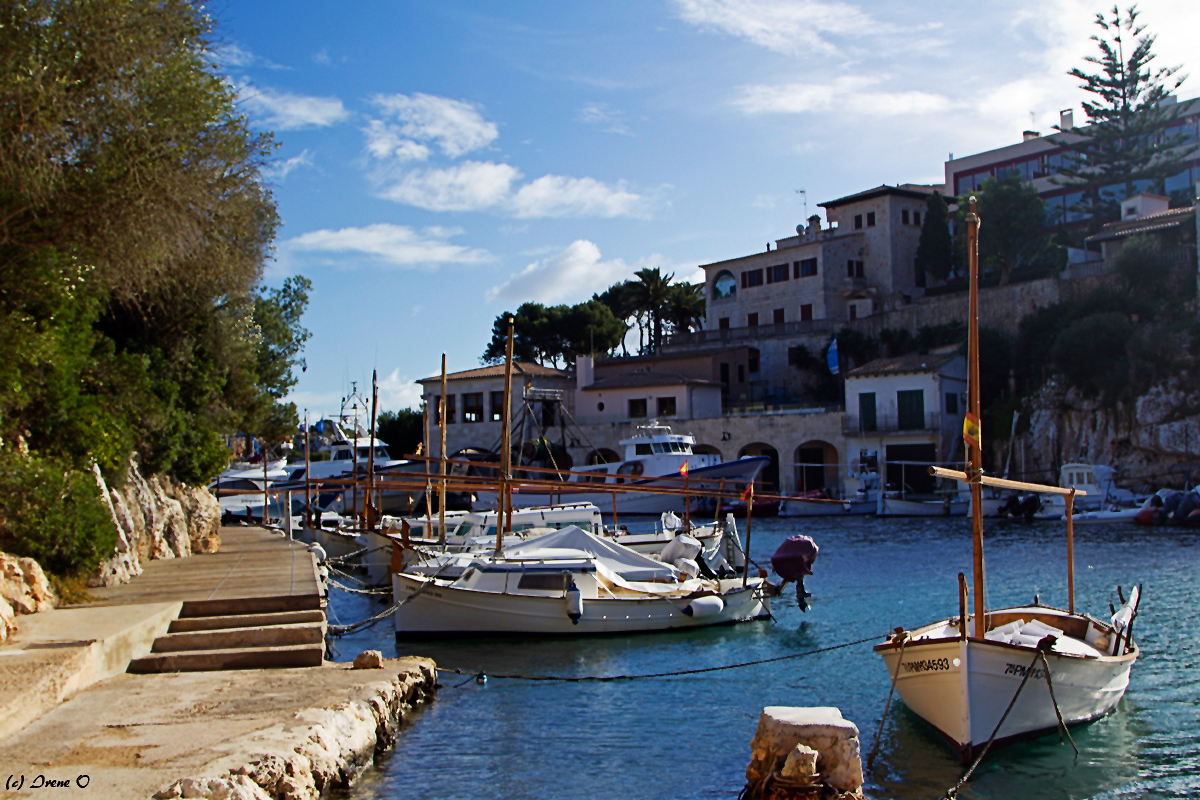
point(975, 457)
point(1070, 553)
point(308, 516)
point(368, 509)
point(504, 504)
point(442, 403)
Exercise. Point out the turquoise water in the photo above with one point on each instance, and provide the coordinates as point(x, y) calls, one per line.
point(688, 737)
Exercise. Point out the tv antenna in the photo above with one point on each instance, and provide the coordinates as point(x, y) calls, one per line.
point(804, 196)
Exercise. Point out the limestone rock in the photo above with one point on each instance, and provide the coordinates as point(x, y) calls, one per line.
point(203, 518)
point(24, 585)
point(8, 620)
point(800, 763)
point(369, 659)
point(781, 729)
point(233, 787)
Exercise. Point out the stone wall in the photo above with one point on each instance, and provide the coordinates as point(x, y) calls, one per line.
point(156, 517)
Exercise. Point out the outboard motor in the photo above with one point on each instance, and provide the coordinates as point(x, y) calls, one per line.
point(793, 560)
point(1029, 505)
point(574, 604)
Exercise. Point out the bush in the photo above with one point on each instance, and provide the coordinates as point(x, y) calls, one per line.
point(53, 514)
point(1091, 353)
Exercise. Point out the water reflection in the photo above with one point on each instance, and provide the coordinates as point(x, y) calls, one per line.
point(689, 736)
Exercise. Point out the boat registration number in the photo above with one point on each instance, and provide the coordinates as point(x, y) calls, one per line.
point(928, 665)
point(1037, 673)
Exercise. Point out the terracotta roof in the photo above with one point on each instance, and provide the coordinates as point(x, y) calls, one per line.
point(1146, 224)
point(497, 371)
point(913, 362)
point(633, 380)
point(904, 190)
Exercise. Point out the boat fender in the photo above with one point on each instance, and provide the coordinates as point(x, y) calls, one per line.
point(687, 567)
point(318, 552)
point(1146, 515)
point(574, 604)
point(705, 606)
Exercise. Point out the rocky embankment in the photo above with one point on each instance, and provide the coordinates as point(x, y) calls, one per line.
point(23, 590)
point(1143, 442)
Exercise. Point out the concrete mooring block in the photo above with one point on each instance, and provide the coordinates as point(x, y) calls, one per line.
point(781, 758)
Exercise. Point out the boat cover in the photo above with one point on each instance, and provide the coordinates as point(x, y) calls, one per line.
point(794, 558)
point(573, 541)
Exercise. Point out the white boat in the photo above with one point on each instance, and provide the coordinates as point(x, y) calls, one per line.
point(654, 457)
point(961, 674)
point(566, 582)
point(813, 507)
point(892, 504)
point(240, 491)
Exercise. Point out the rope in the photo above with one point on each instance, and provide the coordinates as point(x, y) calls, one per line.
point(353, 590)
point(952, 793)
point(609, 678)
point(343, 630)
point(1062, 726)
point(888, 704)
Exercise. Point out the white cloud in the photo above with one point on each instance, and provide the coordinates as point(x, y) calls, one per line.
point(383, 243)
point(279, 170)
point(385, 142)
point(605, 118)
point(561, 196)
point(469, 186)
point(791, 27)
point(573, 274)
point(398, 391)
point(231, 54)
point(456, 126)
point(848, 93)
point(322, 57)
point(286, 111)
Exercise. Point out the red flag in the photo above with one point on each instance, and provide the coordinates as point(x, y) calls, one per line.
point(684, 469)
point(748, 493)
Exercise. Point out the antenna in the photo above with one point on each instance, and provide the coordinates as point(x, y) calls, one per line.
point(804, 196)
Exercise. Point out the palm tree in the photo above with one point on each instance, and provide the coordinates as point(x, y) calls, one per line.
point(653, 291)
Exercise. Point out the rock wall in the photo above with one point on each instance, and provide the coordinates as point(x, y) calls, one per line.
point(23, 590)
point(325, 748)
point(156, 517)
point(1145, 443)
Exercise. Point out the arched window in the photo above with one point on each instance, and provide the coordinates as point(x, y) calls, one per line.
point(725, 286)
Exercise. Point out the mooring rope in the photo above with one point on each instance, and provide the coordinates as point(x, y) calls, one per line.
point(1061, 725)
point(609, 678)
point(888, 704)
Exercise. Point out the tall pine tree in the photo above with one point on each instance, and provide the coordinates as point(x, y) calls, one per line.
point(1126, 147)
point(935, 250)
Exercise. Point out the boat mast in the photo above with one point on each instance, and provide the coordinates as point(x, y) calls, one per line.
point(975, 442)
point(442, 404)
point(504, 504)
point(368, 509)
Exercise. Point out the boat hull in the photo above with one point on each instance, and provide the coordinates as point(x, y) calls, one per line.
point(445, 610)
point(962, 687)
point(814, 508)
point(896, 507)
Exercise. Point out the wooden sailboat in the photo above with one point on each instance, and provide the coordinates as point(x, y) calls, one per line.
point(1014, 672)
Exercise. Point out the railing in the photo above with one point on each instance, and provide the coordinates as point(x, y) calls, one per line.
point(891, 423)
point(751, 332)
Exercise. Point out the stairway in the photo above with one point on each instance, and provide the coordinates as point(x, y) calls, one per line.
point(240, 633)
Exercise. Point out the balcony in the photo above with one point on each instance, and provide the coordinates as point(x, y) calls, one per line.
point(751, 333)
point(892, 423)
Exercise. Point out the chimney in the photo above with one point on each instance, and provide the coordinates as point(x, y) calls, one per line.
point(583, 372)
point(1027, 135)
point(1066, 119)
point(814, 225)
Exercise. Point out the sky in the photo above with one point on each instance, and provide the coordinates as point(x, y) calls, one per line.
point(442, 162)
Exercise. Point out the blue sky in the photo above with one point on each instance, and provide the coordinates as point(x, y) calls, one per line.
point(441, 162)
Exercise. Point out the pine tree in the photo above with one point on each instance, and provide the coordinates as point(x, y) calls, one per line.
point(1126, 146)
point(935, 250)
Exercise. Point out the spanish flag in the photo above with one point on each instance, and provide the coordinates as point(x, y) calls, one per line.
point(972, 434)
point(748, 494)
point(683, 470)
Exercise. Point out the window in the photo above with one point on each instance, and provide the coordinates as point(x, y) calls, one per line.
point(870, 219)
point(806, 312)
point(725, 286)
point(723, 323)
point(637, 409)
point(951, 403)
point(643, 450)
point(806, 268)
point(496, 400)
point(857, 221)
point(437, 409)
point(752, 277)
point(600, 406)
point(741, 373)
point(666, 406)
point(777, 316)
point(866, 411)
point(916, 218)
point(473, 407)
point(910, 408)
point(854, 268)
point(777, 273)
point(752, 357)
point(904, 216)
point(854, 311)
point(752, 319)
point(725, 375)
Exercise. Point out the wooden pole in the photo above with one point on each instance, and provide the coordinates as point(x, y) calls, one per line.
point(720, 495)
point(307, 472)
point(266, 498)
point(976, 458)
point(504, 506)
point(354, 460)
point(428, 482)
point(962, 606)
point(749, 516)
point(1070, 554)
point(687, 501)
point(615, 528)
point(368, 507)
point(442, 406)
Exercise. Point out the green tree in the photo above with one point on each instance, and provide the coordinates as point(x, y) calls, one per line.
point(1126, 147)
point(1013, 217)
point(1091, 353)
point(935, 249)
point(652, 291)
point(684, 309)
point(402, 430)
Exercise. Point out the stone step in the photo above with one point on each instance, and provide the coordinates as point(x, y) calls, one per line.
point(250, 605)
point(244, 621)
point(240, 638)
point(302, 655)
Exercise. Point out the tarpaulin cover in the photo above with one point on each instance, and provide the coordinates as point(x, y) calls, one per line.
point(794, 558)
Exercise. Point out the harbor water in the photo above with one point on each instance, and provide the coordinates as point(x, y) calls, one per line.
point(688, 736)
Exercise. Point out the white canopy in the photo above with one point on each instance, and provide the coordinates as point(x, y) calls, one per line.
point(574, 542)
